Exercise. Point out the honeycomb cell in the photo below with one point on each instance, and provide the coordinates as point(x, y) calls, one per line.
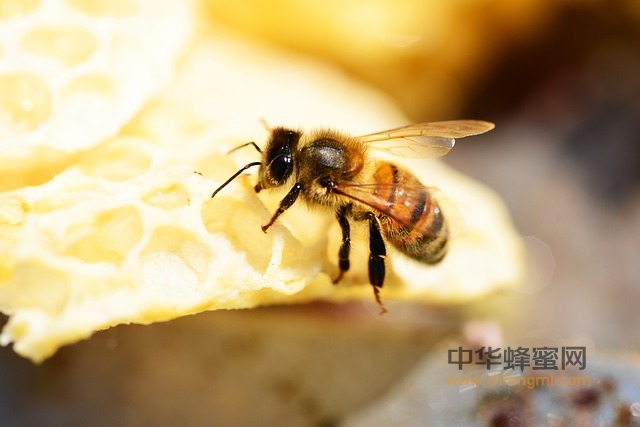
point(119, 159)
point(171, 197)
point(39, 286)
point(14, 8)
point(241, 224)
point(187, 258)
point(67, 45)
point(25, 103)
point(108, 238)
point(106, 7)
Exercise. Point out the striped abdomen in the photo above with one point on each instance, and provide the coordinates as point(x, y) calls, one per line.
point(410, 217)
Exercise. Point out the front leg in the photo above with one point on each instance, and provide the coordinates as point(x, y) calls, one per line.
point(285, 204)
point(345, 247)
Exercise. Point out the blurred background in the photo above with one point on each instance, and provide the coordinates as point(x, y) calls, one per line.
point(561, 80)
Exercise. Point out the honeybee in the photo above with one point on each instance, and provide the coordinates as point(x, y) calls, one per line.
point(333, 170)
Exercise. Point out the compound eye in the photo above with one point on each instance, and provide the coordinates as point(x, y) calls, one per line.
point(280, 169)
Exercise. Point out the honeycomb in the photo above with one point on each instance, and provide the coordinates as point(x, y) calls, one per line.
point(125, 230)
point(73, 72)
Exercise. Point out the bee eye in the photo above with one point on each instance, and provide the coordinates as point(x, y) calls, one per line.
point(280, 169)
point(278, 158)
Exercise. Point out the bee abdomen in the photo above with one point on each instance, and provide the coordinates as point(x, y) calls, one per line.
point(426, 241)
point(422, 234)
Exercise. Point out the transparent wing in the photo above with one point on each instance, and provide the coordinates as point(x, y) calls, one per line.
point(424, 140)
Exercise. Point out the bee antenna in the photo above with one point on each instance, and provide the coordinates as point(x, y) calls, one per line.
point(244, 145)
point(235, 175)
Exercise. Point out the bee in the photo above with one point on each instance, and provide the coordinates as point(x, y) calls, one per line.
point(329, 169)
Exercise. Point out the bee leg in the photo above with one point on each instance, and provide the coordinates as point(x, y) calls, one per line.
point(285, 204)
point(345, 246)
point(377, 254)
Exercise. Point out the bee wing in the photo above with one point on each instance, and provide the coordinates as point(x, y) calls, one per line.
point(424, 140)
point(394, 200)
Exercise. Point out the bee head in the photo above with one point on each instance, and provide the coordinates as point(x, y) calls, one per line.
point(277, 160)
